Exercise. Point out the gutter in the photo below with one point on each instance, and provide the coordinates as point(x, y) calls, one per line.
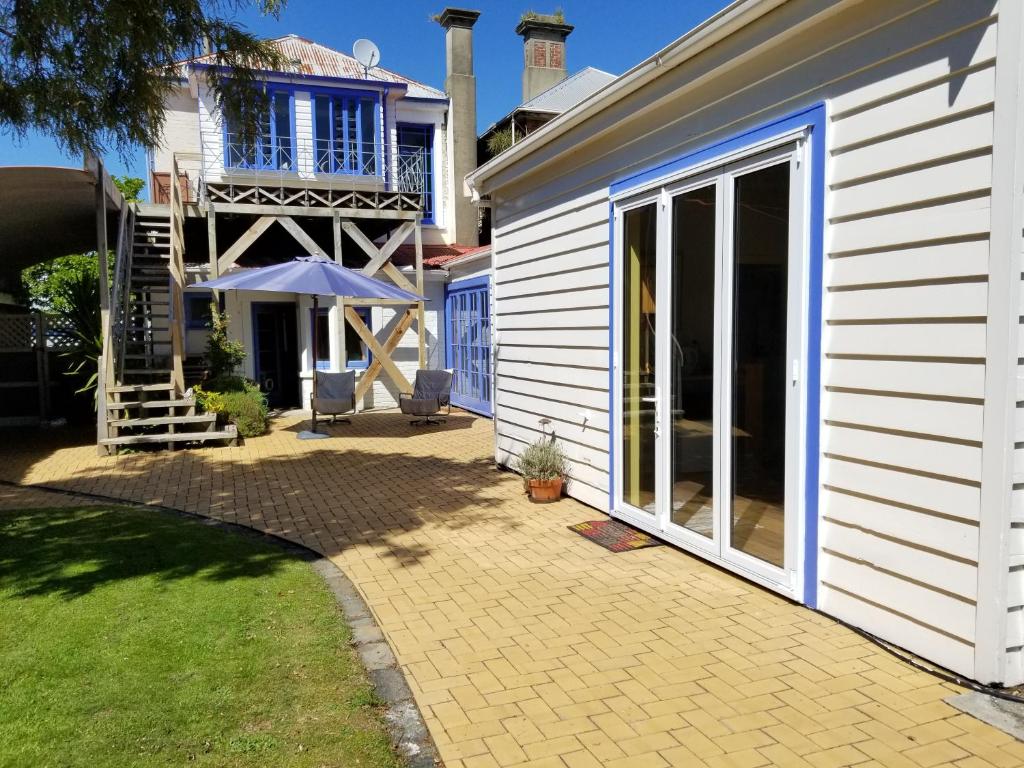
point(724, 23)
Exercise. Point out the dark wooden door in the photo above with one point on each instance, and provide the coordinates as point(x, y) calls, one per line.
point(277, 353)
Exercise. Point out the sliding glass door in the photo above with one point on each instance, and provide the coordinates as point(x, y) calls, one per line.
point(709, 385)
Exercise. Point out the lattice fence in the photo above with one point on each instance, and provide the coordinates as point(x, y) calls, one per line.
point(21, 333)
point(18, 333)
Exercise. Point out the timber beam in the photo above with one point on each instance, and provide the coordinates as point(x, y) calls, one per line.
point(381, 352)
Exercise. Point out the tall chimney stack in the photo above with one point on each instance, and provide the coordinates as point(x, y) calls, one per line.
point(460, 85)
point(544, 51)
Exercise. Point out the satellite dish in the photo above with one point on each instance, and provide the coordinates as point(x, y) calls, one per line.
point(367, 53)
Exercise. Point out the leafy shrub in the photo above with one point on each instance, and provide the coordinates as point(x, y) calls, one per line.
point(247, 411)
point(223, 354)
point(235, 400)
point(542, 460)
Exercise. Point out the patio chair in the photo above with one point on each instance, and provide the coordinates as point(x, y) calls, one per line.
point(336, 395)
point(431, 392)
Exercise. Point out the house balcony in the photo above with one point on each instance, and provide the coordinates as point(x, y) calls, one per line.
point(305, 173)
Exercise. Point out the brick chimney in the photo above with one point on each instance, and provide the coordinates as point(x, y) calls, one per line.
point(460, 85)
point(544, 52)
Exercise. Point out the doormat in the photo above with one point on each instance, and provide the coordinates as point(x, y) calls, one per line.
point(614, 536)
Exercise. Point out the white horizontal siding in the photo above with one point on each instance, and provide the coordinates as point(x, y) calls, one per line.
point(304, 135)
point(180, 131)
point(910, 89)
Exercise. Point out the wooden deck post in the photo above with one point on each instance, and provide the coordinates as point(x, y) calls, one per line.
point(420, 311)
point(101, 256)
point(337, 237)
point(211, 238)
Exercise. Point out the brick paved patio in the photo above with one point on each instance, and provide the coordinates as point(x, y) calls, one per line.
point(528, 646)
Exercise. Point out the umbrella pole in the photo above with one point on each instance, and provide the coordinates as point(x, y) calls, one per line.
point(316, 307)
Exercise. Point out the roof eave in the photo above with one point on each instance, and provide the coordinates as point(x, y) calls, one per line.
point(724, 23)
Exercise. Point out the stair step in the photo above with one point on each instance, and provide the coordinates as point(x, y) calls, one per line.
point(170, 437)
point(155, 421)
point(181, 403)
point(166, 387)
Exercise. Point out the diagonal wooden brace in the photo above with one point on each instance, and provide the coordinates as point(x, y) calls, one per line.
point(378, 256)
point(381, 353)
point(299, 234)
point(241, 244)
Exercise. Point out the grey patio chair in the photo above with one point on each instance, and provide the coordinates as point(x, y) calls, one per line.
point(336, 395)
point(431, 392)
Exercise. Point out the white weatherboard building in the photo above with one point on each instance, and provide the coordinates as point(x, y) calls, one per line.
point(766, 287)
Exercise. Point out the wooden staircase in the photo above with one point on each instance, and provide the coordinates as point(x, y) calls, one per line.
point(144, 399)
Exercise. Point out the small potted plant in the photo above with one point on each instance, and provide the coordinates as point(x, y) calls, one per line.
point(543, 467)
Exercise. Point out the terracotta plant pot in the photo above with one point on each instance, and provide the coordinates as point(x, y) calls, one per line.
point(545, 490)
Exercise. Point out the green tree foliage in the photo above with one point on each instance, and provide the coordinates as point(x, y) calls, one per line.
point(94, 73)
point(130, 186)
point(499, 141)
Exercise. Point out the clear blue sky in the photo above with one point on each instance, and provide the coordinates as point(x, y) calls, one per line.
point(609, 35)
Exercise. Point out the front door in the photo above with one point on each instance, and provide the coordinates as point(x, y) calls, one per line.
point(277, 354)
point(710, 363)
point(468, 348)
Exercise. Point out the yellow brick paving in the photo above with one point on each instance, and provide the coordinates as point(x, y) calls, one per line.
point(527, 646)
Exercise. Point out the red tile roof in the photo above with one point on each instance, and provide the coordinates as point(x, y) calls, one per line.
point(434, 256)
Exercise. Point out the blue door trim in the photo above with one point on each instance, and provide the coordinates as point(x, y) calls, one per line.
point(483, 407)
point(813, 119)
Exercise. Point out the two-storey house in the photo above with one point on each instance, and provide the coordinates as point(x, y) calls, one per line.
point(354, 163)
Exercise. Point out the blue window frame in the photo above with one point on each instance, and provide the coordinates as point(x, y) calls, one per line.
point(813, 119)
point(346, 133)
point(274, 147)
point(467, 311)
point(356, 353)
point(197, 310)
point(416, 164)
point(322, 353)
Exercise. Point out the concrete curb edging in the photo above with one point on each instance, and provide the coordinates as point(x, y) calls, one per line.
point(406, 727)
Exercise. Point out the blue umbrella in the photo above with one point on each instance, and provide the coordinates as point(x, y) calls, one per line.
point(314, 275)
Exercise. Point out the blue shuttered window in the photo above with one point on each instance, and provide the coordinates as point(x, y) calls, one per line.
point(346, 134)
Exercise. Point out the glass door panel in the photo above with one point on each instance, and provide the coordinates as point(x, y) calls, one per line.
point(759, 383)
point(639, 411)
point(692, 355)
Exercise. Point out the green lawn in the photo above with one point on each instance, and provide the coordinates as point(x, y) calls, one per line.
point(132, 638)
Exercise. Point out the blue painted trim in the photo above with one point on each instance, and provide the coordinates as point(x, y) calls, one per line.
point(802, 119)
point(271, 123)
point(385, 144)
point(428, 131)
point(301, 82)
point(351, 100)
point(816, 259)
point(814, 119)
point(320, 365)
point(479, 407)
point(612, 424)
point(358, 365)
point(192, 323)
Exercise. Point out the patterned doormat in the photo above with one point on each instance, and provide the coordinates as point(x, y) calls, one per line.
point(614, 536)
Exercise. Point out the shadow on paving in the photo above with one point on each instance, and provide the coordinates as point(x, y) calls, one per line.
point(72, 551)
point(329, 495)
point(364, 425)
